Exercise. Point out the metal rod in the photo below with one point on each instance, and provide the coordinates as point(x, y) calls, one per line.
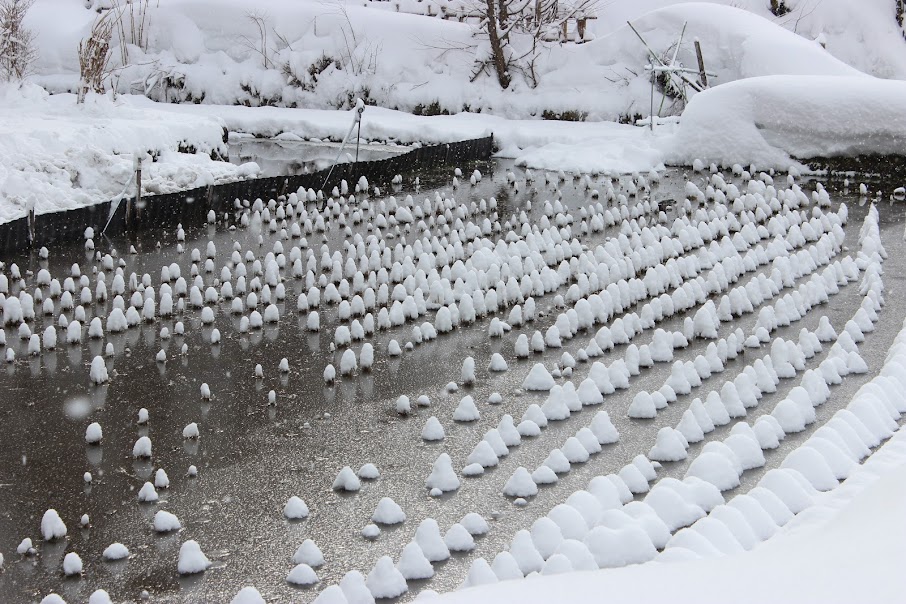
point(357, 121)
point(138, 195)
point(339, 153)
point(678, 44)
point(115, 203)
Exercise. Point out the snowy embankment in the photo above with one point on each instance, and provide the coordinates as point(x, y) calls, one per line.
point(770, 120)
point(56, 155)
point(324, 55)
point(604, 147)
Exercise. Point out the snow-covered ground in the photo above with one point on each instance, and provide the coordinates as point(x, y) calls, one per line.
point(770, 120)
point(213, 53)
point(54, 155)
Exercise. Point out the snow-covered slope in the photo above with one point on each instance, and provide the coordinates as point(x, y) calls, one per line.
point(862, 33)
point(322, 54)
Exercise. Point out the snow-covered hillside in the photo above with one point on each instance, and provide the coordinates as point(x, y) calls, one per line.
point(322, 55)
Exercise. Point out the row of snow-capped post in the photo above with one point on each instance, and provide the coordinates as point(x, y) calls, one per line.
point(586, 442)
point(524, 484)
point(35, 230)
point(497, 285)
point(599, 527)
point(562, 400)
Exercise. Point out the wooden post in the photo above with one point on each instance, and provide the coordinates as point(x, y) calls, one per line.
point(580, 26)
point(651, 109)
point(30, 221)
point(565, 33)
point(133, 206)
point(702, 74)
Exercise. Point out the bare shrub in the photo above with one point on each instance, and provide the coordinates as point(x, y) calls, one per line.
point(17, 43)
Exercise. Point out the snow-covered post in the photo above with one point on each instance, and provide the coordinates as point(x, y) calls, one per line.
point(651, 109)
point(133, 208)
point(360, 109)
point(30, 219)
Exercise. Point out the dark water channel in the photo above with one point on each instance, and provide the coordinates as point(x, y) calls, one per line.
point(251, 456)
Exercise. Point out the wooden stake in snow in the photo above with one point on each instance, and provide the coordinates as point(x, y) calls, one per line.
point(702, 74)
point(133, 211)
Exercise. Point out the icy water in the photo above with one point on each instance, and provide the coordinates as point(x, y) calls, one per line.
point(281, 158)
point(251, 456)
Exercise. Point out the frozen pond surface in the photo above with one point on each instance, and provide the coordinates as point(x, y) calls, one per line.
point(252, 457)
point(285, 157)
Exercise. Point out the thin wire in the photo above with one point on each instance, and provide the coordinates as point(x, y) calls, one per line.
point(356, 120)
point(117, 200)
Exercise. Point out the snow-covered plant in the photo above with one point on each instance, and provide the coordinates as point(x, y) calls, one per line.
point(132, 20)
point(779, 8)
point(164, 83)
point(94, 56)
point(670, 86)
point(17, 43)
point(358, 54)
point(259, 45)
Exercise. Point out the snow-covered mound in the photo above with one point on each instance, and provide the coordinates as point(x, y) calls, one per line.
point(769, 120)
point(863, 34)
point(735, 43)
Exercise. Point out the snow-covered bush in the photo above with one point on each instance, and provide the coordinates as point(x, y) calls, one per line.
point(17, 42)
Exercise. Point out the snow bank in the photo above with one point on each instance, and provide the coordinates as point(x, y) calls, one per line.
point(770, 121)
point(546, 144)
point(56, 155)
point(210, 51)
